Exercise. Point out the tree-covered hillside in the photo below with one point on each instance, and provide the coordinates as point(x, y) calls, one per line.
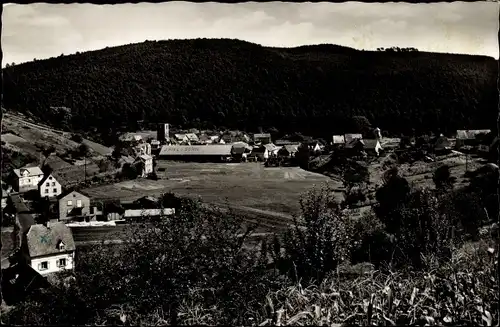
point(206, 82)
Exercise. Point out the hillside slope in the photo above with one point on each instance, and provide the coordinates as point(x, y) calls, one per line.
point(312, 89)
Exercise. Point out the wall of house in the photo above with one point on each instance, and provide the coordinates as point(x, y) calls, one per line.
point(52, 262)
point(148, 166)
point(54, 188)
point(64, 207)
point(29, 183)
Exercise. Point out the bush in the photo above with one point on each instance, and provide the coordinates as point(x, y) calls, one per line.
point(324, 241)
point(77, 138)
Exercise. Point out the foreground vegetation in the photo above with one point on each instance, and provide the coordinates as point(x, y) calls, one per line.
point(419, 259)
point(202, 83)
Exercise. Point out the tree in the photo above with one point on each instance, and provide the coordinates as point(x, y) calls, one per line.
point(197, 258)
point(77, 138)
point(47, 152)
point(47, 169)
point(320, 243)
point(361, 124)
point(442, 178)
point(82, 150)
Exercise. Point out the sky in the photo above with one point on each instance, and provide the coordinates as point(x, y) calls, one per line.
point(48, 30)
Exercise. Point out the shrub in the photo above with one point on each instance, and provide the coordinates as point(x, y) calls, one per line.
point(323, 242)
point(77, 138)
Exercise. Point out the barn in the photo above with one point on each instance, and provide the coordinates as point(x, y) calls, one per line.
point(198, 153)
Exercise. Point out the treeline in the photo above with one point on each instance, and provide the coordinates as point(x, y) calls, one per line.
point(196, 269)
point(205, 82)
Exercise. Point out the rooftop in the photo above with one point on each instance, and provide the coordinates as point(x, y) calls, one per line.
point(43, 240)
point(32, 171)
point(193, 150)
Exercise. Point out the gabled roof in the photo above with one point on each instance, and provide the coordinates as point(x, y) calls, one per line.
point(270, 147)
point(33, 171)
point(240, 147)
point(291, 148)
point(46, 177)
point(180, 136)
point(353, 142)
point(192, 137)
point(43, 240)
point(145, 157)
point(23, 217)
point(68, 192)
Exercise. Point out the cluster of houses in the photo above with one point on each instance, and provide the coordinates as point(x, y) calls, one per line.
point(42, 234)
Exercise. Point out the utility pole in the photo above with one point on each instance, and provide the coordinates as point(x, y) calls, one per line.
point(85, 167)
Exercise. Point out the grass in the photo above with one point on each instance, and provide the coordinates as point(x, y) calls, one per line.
point(246, 184)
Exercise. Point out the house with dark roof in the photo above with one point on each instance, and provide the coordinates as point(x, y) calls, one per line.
point(19, 281)
point(49, 187)
point(24, 219)
point(49, 248)
point(288, 150)
point(26, 179)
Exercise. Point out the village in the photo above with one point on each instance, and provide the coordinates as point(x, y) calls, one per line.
point(50, 218)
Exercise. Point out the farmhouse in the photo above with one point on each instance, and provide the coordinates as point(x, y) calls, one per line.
point(26, 179)
point(181, 138)
point(240, 150)
point(192, 137)
point(73, 205)
point(49, 248)
point(202, 153)
point(260, 153)
point(49, 187)
point(147, 162)
point(262, 138)
point(130, 137)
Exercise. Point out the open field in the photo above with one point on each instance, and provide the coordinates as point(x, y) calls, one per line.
point(246, 184)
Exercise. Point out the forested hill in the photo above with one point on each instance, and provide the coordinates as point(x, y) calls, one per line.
point(231, 83)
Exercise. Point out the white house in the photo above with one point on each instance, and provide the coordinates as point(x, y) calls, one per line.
point(147, 161)
point(49, 248)
point(27, 179)
point(49, 187)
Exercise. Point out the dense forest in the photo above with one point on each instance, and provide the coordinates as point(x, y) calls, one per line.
point(236, 84)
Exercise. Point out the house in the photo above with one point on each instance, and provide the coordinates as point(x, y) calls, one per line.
point(200, 153)
point(26, 179)
point(143, 148)
point(372, 146)
point(470, 137)
point(49, 248)
point(49, 187)
point(314, 146)
point(163, 132)
point(240, 150)
point(272, 149)
point(181, 138)
point(20, 280)
point(349, 137)
point(73, 205)
point(262, 138)
point(147, 162)
point(260, 153)
point(192, 137)
point(288, 150)
point(442, 144)
point(130, 137)
point(146, 206)
point(338, 140)
point(24, 219)
point(155, 145)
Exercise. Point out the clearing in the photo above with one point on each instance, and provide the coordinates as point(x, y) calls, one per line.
point(275, 189)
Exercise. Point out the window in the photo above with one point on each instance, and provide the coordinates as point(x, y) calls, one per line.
point(54, 190)
point(61, 246)
point(43, 265)
point(53, 183)
point(29, 180)
point(70, 203)
point(61, 263)
point(78, 203)
point(50, 177)
point(47, 184)
point(46, 190)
